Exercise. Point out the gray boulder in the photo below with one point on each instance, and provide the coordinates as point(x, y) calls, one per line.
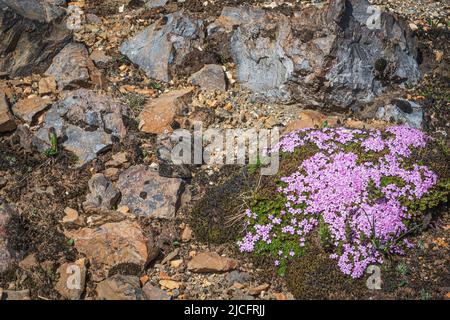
point(333, 55)
point(164, 44)
point(85, 121)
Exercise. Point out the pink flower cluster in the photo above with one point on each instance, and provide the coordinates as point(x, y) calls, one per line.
point(335, 188)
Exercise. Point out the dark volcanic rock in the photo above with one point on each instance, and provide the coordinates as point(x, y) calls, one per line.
point(31, 33)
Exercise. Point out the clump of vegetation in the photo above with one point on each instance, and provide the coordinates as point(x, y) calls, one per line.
point(53, 138)
point(362, 191)
point(213, 216)
point(135, 101)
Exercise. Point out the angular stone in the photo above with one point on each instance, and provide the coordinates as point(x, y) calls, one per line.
point(102, 193)
point(186, 235)
point(164, 44)
point(110, 245)
point(169, 284)
point(47, 85)
point(210, 77)
point(211, 262)
point(256, 291)
point(92, 111)
point(100, 58)
point(117, 160)
point(7, 122)
point(120, 287)
point(154, 293)
point(72, 279)
point(29, 263)
point(73, 68)
point(86, 145)
point(72, 218)
point(159, 114)
point(27, 109)
point(32, 32)
point(148, 194)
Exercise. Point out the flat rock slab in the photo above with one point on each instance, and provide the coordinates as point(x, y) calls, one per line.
point(120, 287)
point(211, 262)
point(27, 109)
point(148, 194)
point(158, 115)
point(72, 279)
point(110, 245)
point(210, 77)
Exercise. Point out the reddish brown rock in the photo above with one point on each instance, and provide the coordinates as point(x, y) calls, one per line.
point(311, 119)
point(159, 114)
point(27, 109)
point(256, 291)
point(211, 262)
point(109, 245)
point(47, 85)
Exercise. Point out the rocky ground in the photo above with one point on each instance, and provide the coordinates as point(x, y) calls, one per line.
point(84, 120)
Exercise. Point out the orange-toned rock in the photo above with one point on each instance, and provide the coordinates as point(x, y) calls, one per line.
point(109, 245)
point(47, 85)
point(257, 290)
point(27, 109)
point(211, 262)
point(72, 279)
point(311, 119)
point(159, 114)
